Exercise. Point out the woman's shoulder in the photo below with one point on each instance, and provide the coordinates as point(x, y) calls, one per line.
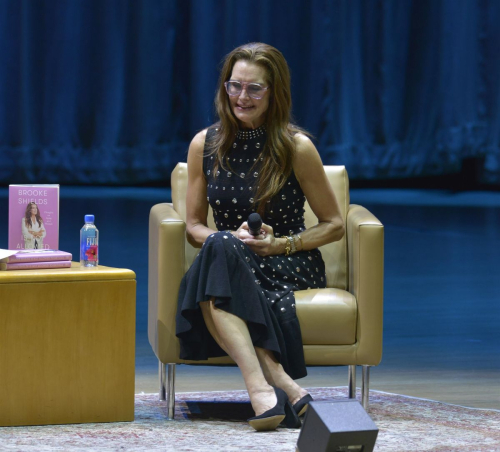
point(306, 159)
point(197, 145)
point(300, 137)
point(198, 149)
point(199, 138)
point(303, 145)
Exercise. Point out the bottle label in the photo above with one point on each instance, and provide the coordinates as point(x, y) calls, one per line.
point(90, 249)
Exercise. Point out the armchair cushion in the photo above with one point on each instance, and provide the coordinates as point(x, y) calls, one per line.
point(327, 316)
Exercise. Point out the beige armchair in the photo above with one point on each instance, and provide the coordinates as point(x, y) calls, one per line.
point(341, 324)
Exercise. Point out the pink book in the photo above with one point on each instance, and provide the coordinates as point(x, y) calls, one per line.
point(33, 217)
point(37, 256)
point(35, 265)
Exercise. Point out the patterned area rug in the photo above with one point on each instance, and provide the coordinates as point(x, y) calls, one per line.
point(215, 421)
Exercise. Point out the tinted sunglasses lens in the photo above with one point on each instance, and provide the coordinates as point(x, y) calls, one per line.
point(233, 88)
point(255, 91)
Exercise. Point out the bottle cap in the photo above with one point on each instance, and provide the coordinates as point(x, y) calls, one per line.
point(89, 218)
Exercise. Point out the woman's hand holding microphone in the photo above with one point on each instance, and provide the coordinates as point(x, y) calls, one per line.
point(258, 236)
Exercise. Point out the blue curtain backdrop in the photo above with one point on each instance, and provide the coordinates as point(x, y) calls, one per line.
point(111, 91)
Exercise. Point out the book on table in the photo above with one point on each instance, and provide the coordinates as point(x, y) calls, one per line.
point(33, 217)
point(34, 259)
point(34, 256)
point(34, 265)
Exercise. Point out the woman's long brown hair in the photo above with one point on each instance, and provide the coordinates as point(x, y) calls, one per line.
point(279, 150)
point(27, 215)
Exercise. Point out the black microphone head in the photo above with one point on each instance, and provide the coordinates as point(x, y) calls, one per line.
point(254, 223)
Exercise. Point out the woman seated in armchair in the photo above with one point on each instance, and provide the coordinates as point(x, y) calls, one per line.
point(238, 296)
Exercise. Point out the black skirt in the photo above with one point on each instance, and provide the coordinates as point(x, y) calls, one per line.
point(257, 289)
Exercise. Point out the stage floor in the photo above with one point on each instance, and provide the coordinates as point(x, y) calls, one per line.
point(442, 289)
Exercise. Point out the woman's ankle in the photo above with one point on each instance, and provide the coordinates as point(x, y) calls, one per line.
point(262, 399)
point(292, 389)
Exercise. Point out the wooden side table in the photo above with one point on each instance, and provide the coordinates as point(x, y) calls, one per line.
point(67, 346)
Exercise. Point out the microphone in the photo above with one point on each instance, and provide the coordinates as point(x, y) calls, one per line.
point(254, 223)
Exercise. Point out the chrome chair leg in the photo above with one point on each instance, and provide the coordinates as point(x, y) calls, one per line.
point(162, 377)
point(352, 382)
point(365, 387)
point(167, 387)
point(171, 391)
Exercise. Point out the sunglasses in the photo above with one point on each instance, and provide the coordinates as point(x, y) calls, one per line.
point(254, 90)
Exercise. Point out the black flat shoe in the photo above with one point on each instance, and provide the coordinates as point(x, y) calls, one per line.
point(301, 406)
point(273, 417)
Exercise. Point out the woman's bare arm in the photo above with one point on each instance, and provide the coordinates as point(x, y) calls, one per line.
point(311, 175)
point(197, 230)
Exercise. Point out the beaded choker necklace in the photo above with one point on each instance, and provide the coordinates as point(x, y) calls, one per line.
point(249, 134)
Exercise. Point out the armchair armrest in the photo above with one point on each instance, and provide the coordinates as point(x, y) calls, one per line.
point(365, 243)
point(167, 232)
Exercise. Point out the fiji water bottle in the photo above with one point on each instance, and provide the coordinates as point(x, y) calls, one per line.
point(89, 243)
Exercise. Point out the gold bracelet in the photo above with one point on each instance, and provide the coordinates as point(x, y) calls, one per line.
point(288, 246)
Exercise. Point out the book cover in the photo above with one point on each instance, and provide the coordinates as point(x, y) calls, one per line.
point(34, 265)
point(36, 256)
point(33, 217)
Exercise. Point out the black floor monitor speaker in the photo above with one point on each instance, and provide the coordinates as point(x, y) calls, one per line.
point(339, 426)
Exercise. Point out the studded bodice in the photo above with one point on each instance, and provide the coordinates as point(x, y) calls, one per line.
point(230, 191)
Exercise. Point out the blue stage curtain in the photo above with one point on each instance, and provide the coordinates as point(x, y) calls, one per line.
point(112, 91)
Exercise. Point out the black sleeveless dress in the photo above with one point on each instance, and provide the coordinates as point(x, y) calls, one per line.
point(260, 290)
